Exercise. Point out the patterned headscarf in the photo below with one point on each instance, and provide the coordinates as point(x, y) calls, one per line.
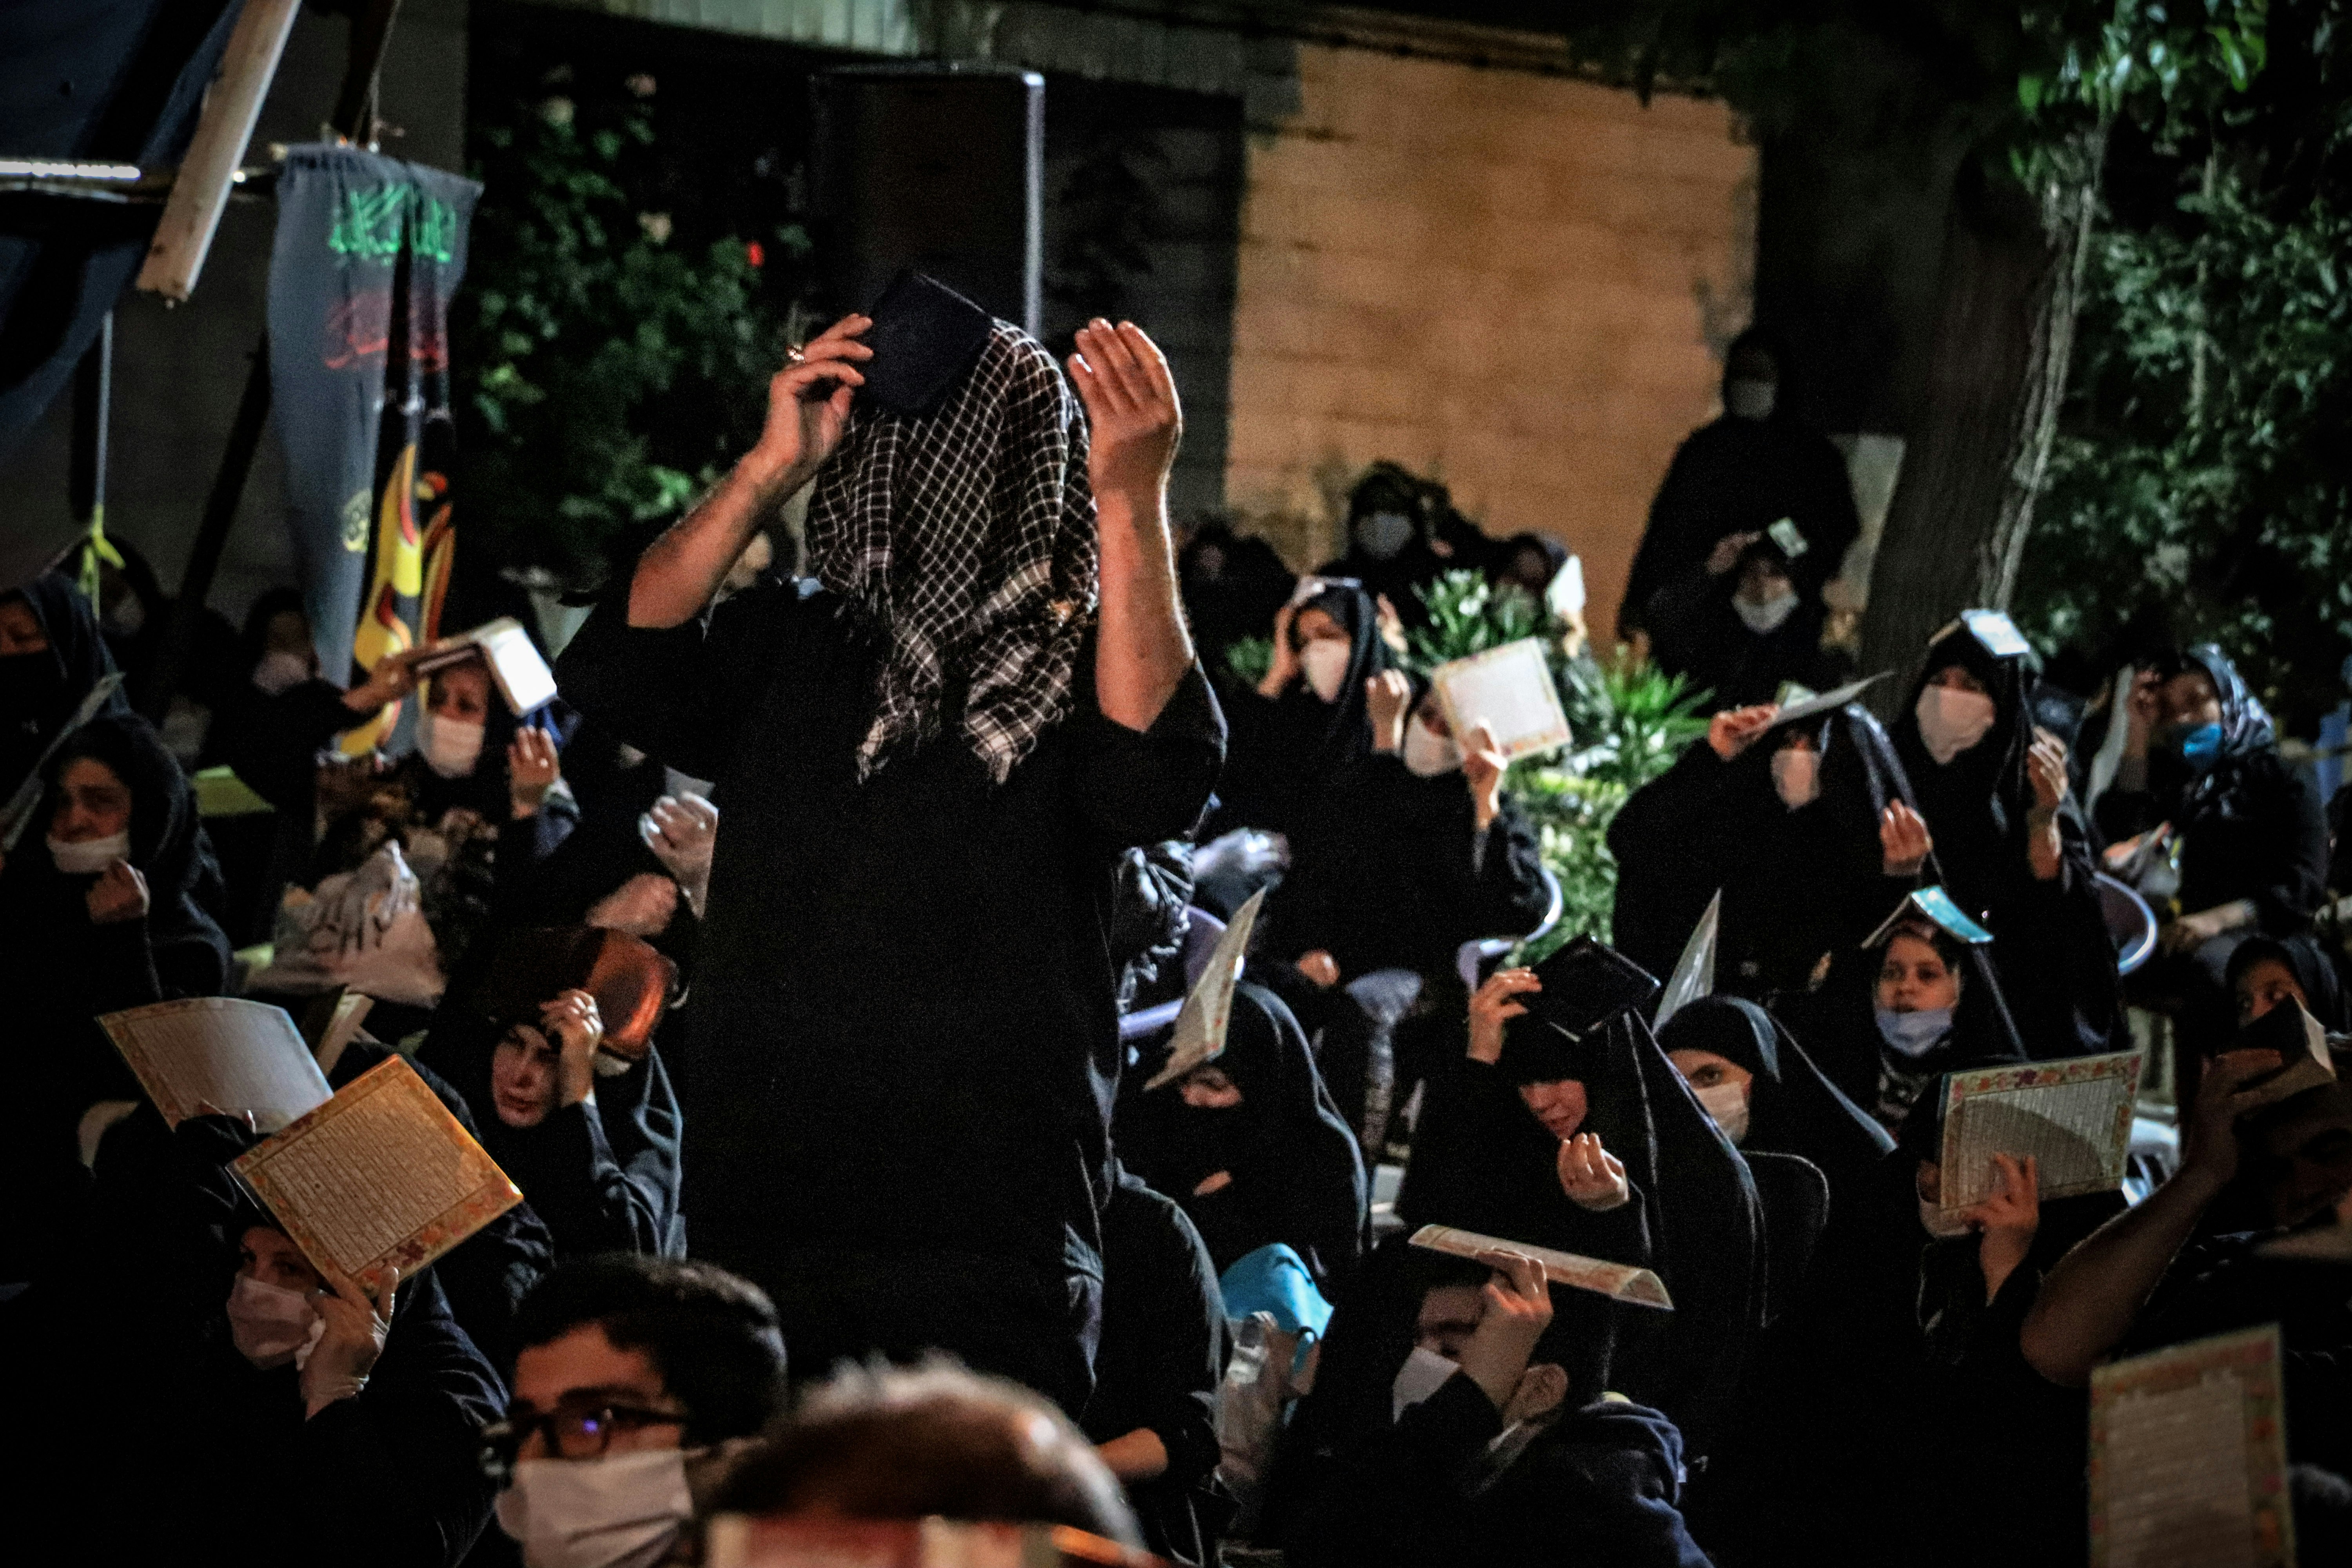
point(968, 535)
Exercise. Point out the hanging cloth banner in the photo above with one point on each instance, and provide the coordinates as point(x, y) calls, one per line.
point(369, 251)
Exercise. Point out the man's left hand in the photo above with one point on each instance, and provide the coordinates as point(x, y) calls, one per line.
point(1134, 418)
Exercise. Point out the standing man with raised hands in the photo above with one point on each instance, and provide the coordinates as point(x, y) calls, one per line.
point(932, 751)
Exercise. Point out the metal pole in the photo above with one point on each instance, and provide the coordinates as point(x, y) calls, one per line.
point(93, 398)
point(355, 120)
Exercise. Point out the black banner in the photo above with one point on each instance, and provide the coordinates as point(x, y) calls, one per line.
point(369, 251)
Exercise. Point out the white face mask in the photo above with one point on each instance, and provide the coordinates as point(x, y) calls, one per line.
point(1951, 720)
point(1750, 399)
point(1426, 752)
point(1797, 776)
point(91, 855)
point(621, 1511)
point(1728, 1103)
point(1424, 1372)
point(278, 671)
point(271, 1325)
point(1325, 661)
point(451, 746)
point(1766, 618)
point(1383, 534)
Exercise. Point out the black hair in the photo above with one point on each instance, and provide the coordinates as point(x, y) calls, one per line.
point(712, 1335)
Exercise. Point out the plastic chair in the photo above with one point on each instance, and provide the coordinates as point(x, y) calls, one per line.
point(2131, 922)
point(1475, 953)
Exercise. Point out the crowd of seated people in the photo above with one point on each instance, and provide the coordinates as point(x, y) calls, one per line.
point(1849, 1371)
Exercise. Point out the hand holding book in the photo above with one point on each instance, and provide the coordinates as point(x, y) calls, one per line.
point(358, 1315)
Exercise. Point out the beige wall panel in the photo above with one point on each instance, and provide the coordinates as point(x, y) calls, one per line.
point(1519, 283)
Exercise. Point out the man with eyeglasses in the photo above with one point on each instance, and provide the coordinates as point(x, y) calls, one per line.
point(637, 1378)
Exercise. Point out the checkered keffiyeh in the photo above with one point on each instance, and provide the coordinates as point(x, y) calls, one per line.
point(969, 536)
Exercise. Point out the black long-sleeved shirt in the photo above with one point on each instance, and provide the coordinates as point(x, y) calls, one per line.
point(1741, 476)
point(905, 1029)
point(1161, 1360)
point(1603, 1485)
point(2257, 833)
point(604, 1173)
point(1392, 872)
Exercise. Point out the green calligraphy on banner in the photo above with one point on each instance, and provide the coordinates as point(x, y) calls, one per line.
point(370, 226)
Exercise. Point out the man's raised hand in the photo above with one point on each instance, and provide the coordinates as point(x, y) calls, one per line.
point(808, 407)
point(1133, 416)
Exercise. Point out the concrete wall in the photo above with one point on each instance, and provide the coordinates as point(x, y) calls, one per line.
point(178, 371)
point(1518, 282)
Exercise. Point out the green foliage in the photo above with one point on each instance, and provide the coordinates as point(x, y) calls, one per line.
point(1632, 720)
point(1467, 615)
point(608, 370)
point(2201, 486)
point(1571, 817)
point(1250, 658)
point(1629, 723)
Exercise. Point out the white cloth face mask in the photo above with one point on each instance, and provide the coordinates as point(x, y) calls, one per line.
point(1424, 1372)
point(1952, 720)
point(1751, 399)
point(624, 1510)
point(91, 855)
point(1728, 1103)
point(271, 1325)
point(1426, 752)
point(279, 671)
point(1767, 617)
point(1797, 776)
point(1325, 660)
point(451, 746)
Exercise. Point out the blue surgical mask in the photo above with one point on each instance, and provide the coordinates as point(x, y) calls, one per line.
point(2198, 747)
point(1915, 1034)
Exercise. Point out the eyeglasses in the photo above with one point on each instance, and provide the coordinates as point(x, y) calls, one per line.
point(568, 1431)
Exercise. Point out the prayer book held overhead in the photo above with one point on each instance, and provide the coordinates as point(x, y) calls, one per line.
point(2189, 1456)
point(742, 1541)
point(516, 666)
point(1798, 704)
point(1996, 632)
point(1509, 689)
point(1935, 907)
point(1199, 1034)
point(925, 336)
point(2305, 1060)
point(2073, 1117)
point(1619, 1281)
point(1585, 984)
point(1694, 975)
point(380, 1177)
point(24, 805)
point(219, 1055)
